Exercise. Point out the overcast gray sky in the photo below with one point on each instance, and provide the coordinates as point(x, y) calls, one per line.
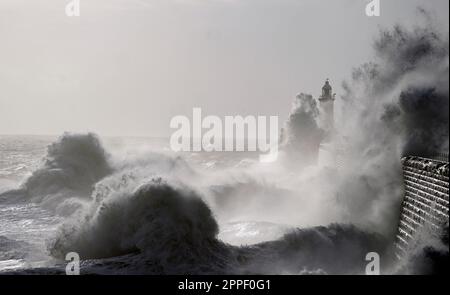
point(126, 67)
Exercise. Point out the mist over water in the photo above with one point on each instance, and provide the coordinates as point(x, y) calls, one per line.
point(136, 210)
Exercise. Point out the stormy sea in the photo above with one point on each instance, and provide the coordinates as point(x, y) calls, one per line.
point(138, 211)
point(132, 206)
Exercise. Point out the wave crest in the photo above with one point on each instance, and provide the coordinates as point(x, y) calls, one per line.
point(158, 219)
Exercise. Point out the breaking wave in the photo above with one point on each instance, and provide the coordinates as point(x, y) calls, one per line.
point(71, 168)
point(156, 218)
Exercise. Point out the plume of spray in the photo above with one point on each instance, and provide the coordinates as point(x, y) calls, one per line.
point(302, 134)
point(395, 105)
point(392, 107)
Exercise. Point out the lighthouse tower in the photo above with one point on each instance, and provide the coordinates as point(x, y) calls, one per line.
point(328, 149)
point(326, 102)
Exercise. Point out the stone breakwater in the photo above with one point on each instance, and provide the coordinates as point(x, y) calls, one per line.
point(426, 200)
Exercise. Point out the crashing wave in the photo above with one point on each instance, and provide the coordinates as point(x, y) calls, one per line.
point(71, 168)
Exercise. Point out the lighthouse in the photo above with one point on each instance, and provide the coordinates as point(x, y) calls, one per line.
point(326, 104)
point(328, 149)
